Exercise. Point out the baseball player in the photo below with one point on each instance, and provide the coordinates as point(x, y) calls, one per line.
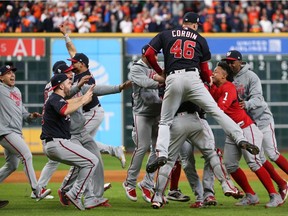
point(3, 203)
point(51, 166)
point(146, 111)
point(185, 51)
point(12, 114)
point(188, 126)
point(250, 92)
point(56, 136)
point(93, 112)
point(93, 197)
point(225, 94)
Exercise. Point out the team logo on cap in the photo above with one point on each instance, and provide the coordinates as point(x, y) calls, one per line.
point(228, 54)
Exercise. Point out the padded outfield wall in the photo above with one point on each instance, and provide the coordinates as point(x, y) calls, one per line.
point(111, 56)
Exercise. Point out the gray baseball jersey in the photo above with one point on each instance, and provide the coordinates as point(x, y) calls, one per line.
point(146, 112)
point(249, 89)
point(12, 114)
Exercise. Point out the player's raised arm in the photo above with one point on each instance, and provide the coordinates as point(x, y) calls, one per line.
point(70, 46)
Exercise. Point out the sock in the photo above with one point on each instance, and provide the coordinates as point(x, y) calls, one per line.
point(274, 175)
point(175, 176)
point(282, 163)
point(266, 180)
point(241, 179)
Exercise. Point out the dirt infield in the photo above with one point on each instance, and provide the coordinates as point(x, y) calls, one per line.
point(112, 176)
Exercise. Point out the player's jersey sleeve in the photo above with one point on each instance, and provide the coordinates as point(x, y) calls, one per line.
point(59, 104)
point(206, 54)
point(157, 43)
point(227, 97)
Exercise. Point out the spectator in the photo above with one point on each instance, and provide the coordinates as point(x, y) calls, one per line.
point(265, 24)
point(138, 24)
point(126, 25)
point(83, 25)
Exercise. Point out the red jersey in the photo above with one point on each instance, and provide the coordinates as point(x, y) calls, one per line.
point(226, 98)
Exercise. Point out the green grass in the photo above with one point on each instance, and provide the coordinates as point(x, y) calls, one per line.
point(20, 203)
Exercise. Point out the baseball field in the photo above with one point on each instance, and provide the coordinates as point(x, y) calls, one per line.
point(17, 190)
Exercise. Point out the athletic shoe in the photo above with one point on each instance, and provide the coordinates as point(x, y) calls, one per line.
point(107, 186)
point(249, 199)
point(177, 195)
point(62, 198)
point(197, 205)
point(95, 202)
point(33, 196)
point(146, 194)
point(230, 190)
point(152, 167)
point(130, 192)
point(41, 194)
point(284, 192)
point(253, 149)
point(210, 200)
point(76, 202)
point(119, 153)
point(156, 205)
point(3, 203)
point(275, 201)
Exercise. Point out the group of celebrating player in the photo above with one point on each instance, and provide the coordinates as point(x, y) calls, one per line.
point(231, 94)
point(170, 101)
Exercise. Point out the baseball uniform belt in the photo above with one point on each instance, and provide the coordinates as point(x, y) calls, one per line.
point(183, 71)
point(48, 140)
point(184, 113)
point(98, 105)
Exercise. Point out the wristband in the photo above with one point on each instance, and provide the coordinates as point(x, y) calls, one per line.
point(67, 38)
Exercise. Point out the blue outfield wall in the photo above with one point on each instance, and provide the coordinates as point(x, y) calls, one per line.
point(246, 45)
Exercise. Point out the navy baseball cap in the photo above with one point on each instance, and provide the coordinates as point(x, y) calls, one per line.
point(80, 57)
point(63, 68)
point(144, 49)
point(57, 79)
point(56, 64)
point(233, 55)
point(191, 17)
point(6, 68)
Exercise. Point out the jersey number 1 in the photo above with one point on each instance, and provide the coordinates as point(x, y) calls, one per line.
point(187, 51)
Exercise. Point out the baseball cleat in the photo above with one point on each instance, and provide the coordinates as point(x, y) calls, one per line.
point(76, 202)
point(197, 205)
point(275, 201)
point(249, 199)
point(3, 203)
point(284, 192)
point(146, 193)
point(95, 202)
point(107, 186)
point(62, 198)
point(177, 195)
point(210, 200)
point(253, 149)
point(156, 205)
point(43, 194)
point(130, 192)
point(152, 167)
point(33, 196)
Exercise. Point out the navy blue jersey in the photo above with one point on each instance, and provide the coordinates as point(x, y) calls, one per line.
point(55, 124)
point(95, 101)
point(182, 48)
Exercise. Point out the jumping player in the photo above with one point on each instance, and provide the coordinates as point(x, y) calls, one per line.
point(185, 53)
point(188, 126)
point(250, 92)
point(12, 114)
point(225, 94)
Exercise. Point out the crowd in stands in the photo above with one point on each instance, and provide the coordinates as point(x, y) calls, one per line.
point(142, 16)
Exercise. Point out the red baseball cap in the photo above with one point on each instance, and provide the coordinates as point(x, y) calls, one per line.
point(233, 55)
